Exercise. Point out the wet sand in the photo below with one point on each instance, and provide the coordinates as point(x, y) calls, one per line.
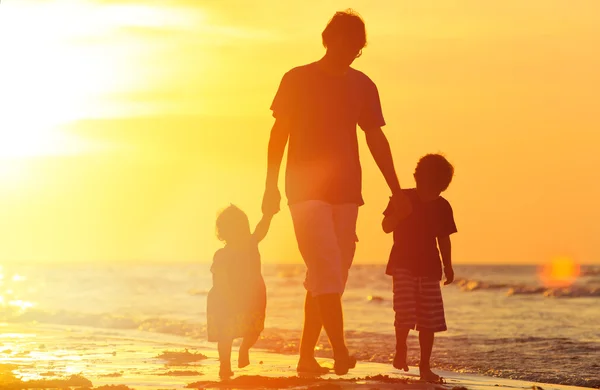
point(34, 356)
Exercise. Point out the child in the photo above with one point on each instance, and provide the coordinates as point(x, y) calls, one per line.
point(415, 261)
point(237, 301)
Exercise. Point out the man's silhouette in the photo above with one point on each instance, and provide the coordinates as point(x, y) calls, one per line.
point(317, 108)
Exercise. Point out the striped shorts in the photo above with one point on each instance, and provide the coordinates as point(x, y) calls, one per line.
point(418, 302)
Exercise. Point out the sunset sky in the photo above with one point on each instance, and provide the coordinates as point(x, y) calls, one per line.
point(126, 125)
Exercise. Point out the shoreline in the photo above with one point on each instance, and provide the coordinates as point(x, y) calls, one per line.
point(38, 356)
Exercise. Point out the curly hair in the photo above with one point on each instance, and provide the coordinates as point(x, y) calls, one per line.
point(434, 172)
point(232, 224)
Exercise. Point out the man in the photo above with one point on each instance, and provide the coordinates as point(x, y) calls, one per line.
point(317, 108)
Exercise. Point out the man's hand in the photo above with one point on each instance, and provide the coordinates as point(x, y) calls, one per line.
point(402, 205)
point(271, 201)
point(449, 272)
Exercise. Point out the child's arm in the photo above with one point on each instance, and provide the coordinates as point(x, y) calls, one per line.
point(262, 228)
point(446, 252)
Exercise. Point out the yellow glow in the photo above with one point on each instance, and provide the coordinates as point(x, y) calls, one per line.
point(23, 305)
point(25, 143)
point(60, 71)
point(18, 278)
point(179, 92)
point(560, 272)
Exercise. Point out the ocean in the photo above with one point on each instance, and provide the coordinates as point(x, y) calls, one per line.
point(502, 322)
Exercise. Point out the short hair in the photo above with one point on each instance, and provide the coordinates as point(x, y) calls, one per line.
point(434, 171)
point(348, 25)
point(232, 223)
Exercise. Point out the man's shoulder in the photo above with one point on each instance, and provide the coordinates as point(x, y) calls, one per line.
point(301, 70)
point(361, 77)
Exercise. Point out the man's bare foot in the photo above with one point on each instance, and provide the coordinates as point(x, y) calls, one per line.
point(243, 358)
point(341, 366)
point(428, 376)
point(310, 366)
point(400, 360)
point(225, 373)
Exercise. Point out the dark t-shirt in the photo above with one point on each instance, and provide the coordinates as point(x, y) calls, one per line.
point(324, 109)
point(415, 238)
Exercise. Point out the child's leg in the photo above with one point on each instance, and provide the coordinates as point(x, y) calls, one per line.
point(224, 347)
point(426, 343)
point(430, 319)
point(426, 338)
point(244, 353)
point(405, 313)
point(401, 349)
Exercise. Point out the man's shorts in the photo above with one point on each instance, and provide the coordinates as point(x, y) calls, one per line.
point(326, 236)
point(418, 302)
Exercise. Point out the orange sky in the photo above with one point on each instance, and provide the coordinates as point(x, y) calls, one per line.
point(126, 125)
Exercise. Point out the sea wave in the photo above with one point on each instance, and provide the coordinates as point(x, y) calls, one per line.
point(578, 291)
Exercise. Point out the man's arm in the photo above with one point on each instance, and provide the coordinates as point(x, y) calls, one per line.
point(446, 252)
point(381, 152)
point(277, 142)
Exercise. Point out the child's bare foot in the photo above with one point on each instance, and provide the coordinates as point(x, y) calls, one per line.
point(400, 361)
point(244, 358)
point(429, 376)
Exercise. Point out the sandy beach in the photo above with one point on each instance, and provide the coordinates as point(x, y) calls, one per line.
point(36, 356)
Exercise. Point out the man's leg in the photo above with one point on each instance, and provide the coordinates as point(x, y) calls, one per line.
point(330, 307)
point(310, 337)
point(344, 219)
point(317, 241)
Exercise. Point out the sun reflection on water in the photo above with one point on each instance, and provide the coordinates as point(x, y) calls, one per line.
point(561, 272)
point(18, 278)
point(11, 301)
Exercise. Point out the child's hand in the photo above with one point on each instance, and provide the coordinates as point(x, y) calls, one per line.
point(449, 272)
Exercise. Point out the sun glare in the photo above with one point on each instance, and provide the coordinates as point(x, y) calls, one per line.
point(63, 61)
point(560, 272)
point(37, 143)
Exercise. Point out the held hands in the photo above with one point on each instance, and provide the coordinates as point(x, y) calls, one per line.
point(402, 205)
point(271, 201)
point(449, 272)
